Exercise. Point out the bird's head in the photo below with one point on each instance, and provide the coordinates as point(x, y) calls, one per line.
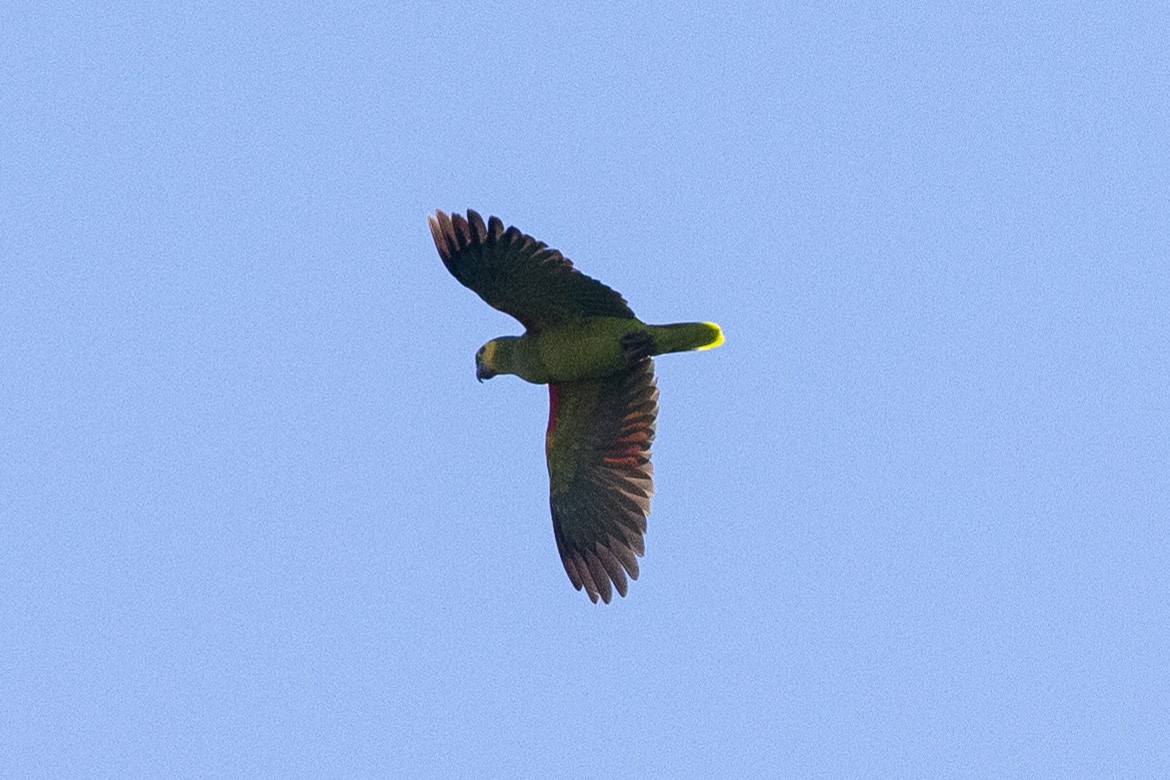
point(485, 361)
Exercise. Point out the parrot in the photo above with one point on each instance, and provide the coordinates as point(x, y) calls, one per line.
point(582, 340)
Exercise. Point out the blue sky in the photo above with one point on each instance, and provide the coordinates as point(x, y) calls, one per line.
point(258, 519)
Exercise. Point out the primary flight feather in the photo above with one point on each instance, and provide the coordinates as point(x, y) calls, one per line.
point(583, 341)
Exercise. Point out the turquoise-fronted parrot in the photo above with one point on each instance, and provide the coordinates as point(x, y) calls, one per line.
point(583, 341)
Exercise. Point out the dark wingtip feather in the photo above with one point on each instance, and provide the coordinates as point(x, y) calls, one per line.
point(625, 554)
point(439, 235)
point(571, 570)
point(495, 227)
point(587, 578)
point(479, 232)
point(462, 230)
point(600, 577)
point(613, 568)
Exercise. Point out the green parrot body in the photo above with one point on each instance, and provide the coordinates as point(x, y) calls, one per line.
point(583, 341)
point(589, 348)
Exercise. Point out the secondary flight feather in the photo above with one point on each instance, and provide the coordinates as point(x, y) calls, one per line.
point(582, 340)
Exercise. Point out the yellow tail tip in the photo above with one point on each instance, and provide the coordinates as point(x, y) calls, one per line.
point(718, 336)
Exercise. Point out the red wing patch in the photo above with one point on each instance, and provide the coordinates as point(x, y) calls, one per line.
point(554, 401)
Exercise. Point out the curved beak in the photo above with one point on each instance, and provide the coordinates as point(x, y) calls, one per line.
point(482, 372)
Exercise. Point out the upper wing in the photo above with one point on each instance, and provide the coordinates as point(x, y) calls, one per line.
point(519, 275)
point(600, 476)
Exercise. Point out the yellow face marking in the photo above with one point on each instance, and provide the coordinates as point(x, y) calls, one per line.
point(718, 338)
point(489, 354)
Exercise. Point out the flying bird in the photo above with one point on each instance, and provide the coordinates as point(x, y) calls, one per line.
point(583, 341)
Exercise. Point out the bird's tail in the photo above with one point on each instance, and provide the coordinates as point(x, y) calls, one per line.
point(685, 336)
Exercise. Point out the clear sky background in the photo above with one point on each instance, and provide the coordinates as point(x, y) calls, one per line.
point(257, 518)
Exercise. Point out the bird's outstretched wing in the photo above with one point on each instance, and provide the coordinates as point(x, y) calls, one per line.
point(600, 476)
point(519, 275)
